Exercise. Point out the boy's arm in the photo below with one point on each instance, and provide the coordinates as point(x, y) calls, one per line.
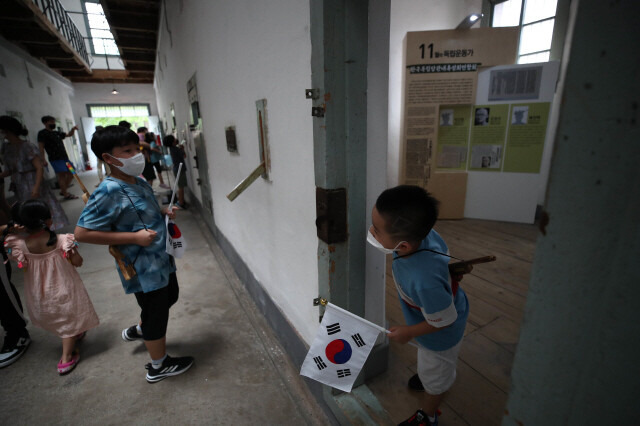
point(404, 333)
point(142, 237)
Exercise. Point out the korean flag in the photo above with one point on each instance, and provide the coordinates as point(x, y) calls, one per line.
point(176, 244)
point(340, 349)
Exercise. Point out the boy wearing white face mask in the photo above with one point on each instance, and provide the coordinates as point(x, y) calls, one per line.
point(123, 212)
point(434, 307)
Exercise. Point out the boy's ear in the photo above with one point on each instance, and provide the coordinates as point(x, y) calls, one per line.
point(405, 246)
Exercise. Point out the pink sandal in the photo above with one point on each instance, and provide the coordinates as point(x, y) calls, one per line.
point(67, 367)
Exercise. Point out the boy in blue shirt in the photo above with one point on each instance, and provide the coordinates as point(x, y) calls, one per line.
point(434, 308)
point(123, 212)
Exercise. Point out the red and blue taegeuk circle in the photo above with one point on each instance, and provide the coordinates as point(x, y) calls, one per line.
point(174, 231)
point(338, 351)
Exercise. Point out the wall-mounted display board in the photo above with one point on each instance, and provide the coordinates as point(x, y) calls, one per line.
point(441, 68)
point(521, 95)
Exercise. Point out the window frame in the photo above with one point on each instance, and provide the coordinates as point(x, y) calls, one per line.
point(85, 14)
point(128, 104)
point(558, 36)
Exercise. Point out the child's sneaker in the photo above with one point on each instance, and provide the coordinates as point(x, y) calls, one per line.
point(420, 418)
point(170, 367)
point(130, 334)
point(13, 349)
point(165, 186)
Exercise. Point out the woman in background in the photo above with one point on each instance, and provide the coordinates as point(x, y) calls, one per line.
point(22, 161)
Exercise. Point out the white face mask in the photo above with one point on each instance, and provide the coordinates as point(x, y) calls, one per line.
point(131, 166)
point(372, 240)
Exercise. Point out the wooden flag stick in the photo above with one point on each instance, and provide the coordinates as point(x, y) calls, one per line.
point(85, 193)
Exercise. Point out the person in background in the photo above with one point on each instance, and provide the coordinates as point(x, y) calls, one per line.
point(57, 300)
point(102, 164)
point(177, 156)
point(50, 139)
point(148, 173)
point(155, 155)
point(24, 165)
point(16, 337)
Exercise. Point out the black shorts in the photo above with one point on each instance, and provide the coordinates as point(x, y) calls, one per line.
point(155, 308)
point(148, 172)
point(157, 166)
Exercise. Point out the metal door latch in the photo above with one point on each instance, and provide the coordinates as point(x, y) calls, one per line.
point(320, 301)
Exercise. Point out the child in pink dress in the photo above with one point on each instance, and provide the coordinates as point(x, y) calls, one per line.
point(56, 298)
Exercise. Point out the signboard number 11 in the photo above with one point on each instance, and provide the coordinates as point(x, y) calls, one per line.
point(430, 50)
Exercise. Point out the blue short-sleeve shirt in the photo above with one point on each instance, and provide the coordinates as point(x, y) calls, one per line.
point(155, 157)
point(424, 286)
point(111, 208)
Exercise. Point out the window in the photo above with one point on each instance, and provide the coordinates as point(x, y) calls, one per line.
point(537, 20)
point(133, 110)
point(109, 114)
point(102, 41)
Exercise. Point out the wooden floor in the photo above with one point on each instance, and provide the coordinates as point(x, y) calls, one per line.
point(496, 293)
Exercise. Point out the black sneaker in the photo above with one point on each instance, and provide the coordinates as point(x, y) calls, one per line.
point(170, 367)
point(420, 418)
point(13, 349)
point(130, 334)
point(415, 384)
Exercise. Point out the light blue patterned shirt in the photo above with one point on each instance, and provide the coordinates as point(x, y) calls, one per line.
point(111, 208)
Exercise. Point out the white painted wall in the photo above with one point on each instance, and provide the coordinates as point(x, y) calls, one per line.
point(243, 51)
point(99, 93)
point(414, 15)
point(33, 102)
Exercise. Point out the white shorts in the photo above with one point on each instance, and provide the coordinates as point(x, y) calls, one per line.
point(437, 369)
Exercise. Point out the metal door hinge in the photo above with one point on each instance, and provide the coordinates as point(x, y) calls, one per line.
point(318, 111)
point(312, 94)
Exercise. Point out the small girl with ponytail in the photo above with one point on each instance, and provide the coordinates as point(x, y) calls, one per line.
point(56, 298)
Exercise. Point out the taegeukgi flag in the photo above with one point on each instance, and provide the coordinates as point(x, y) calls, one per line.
point(342, 345)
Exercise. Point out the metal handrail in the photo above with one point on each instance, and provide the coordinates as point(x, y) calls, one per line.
point(58, 16)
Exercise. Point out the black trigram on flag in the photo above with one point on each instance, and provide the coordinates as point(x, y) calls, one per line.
point(358, 339)
point(177, 244)
point(333, 328)
point(320, 363)
point(344, 373)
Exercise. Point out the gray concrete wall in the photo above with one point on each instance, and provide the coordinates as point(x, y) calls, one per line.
point(576, 362)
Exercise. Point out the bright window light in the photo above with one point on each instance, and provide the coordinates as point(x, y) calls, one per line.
point(507, 14)
point(537, 10)
point(101, 36)
point(536, 37)
point(534, 58)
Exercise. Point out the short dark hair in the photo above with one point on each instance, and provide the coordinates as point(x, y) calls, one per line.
point(142, 129)
point(33, 214)
point(110, 137)
point(47, 118)
point(125, 123)
point(169, 140)
point(409, 211)
point(11, 125)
